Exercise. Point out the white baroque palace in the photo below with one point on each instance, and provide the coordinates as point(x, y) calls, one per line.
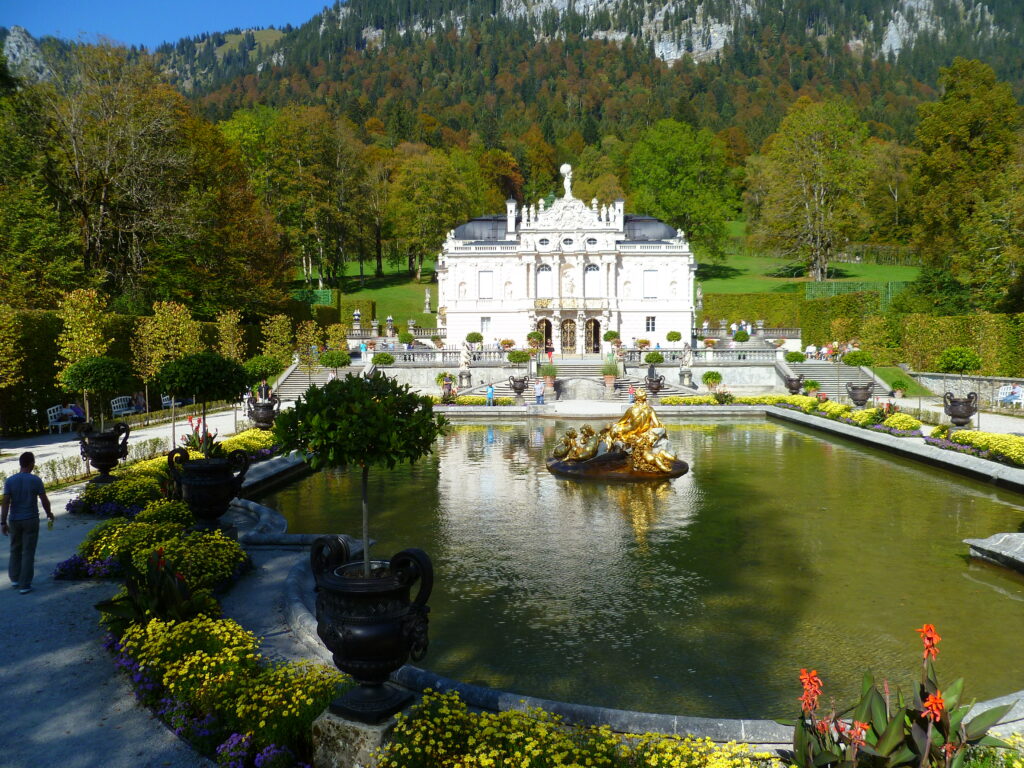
point(571, 271)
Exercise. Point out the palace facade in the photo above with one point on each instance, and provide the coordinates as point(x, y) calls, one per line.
point(571, 271)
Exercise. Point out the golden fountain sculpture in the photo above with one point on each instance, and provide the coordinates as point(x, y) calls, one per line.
point(633, 448)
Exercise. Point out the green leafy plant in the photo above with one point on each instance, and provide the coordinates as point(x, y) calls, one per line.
point(474, 338)
point(958, 360)
point(262, 367)
point(795, 357)
point(383, 358)
point(930, 729)
point(858, 358)
point(159, 591)
point(437, 341)
point(406, 338)
point(901, 383)
point(608, 336)
point(653, 358)
point(811, 385)
point(106, 376)
point(535, 338)
point(643, 343)
point(711, 379)
point(609, 368)
point(360, 422)
point(673, 336)
point(439, 378)
point(741, 336)
point(335, 358)
point(518, 356)
point(207, 376)
point(548, 370)
point(278, 341)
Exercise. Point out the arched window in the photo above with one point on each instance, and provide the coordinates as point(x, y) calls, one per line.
point(545, 287)
point(592, 281)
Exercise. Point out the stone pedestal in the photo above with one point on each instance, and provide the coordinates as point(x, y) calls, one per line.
point(465, 379)
point(341, 743)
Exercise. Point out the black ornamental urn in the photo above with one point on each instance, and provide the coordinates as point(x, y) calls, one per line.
point(859, 393)
point(960, 409)
point(794, 384)
point(371, 625)
point(518, 384)
point(263, 412)
point(653, 381)
point(104, 449)
point(207, 486)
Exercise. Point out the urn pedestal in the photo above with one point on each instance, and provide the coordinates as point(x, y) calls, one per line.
point(104, 449)
point(370, 624)
point(518, 384)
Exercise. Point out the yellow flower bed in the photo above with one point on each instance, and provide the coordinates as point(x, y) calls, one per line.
point(123, 538)
point(865, 417)
point(1007, 447)
point(902, 421)
point(440, 732)
point(834, 410)
point(250, 441)
point(166, 511)
point(204, 559)
point(161, 646)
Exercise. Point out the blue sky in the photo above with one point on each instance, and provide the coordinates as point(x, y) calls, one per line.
point(143, 22)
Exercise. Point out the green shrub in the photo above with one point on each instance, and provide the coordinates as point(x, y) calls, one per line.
point(673, 336)
point(166, 511)
point(122, 539)
point(941, 432)
point(536, 338)
point(335, 358)
point(126, 496)
point(608, 336)
point(795, 357)
point(548, 370)
point(405, 338)
point(811, 385)
point(858, 358)
point(901, 383)
point(609, 368)
point(741, 336)
point(959, 360)
point(653, 358)
point(474, 337)
point(518, 356)
point(383, 358)
point(262, 367)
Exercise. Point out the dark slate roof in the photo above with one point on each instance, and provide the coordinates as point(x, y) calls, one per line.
point(644, 228)
point(483, 228)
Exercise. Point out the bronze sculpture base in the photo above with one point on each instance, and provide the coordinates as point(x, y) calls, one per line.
point(613, 465)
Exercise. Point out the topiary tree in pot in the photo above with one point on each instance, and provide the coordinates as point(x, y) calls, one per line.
point(335, 359)
point(653, 358)
point(711, 379)
point(473, 337)
point(673, 336)
point(364, 611)
point(207, 485)
point(105, 376)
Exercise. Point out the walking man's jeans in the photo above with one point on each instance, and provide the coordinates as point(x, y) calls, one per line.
point(24, 535)
point(540, 399)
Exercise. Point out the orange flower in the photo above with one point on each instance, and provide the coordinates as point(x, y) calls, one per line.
point(930, 638)
point(857, 733)
point(812, 689)
point(950, 748)
point(934, 706)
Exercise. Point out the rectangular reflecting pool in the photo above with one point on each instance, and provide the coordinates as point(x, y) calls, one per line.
point(782, 548)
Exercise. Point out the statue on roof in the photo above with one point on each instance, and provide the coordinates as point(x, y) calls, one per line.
point(566, 170)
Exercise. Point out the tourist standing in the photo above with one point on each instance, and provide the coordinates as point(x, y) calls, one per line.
point(632, 393)
point(490, 394)
point(263, 391)
point(21, 491)
point(549, 348)
point(538, 390)
point(446, 387)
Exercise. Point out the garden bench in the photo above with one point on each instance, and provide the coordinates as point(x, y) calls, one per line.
point(166, 402)
point(54, 418)
point(122, 406)
point(1005, 391)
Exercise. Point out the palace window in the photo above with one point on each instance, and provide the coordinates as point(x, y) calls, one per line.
point(592, 281)
point(486, 277)
point(650, 283)
point(485, 327)
point(591, 241)
point(545, 284)
point(649, 324)
point(544, 241)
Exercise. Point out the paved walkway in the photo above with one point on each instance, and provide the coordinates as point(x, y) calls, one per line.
point(64, 703)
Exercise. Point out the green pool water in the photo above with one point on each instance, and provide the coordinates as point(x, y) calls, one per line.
point(782, 548)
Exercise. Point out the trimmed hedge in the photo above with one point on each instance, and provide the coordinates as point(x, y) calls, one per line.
point(325, 315)
point(778, 310)
point(367, 309)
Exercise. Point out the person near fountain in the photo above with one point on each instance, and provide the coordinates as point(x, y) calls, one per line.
point(21, 492)
point(538, 390)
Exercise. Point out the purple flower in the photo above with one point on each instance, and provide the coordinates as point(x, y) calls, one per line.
point(274, 756)
point(75, 567)
point(234, 752)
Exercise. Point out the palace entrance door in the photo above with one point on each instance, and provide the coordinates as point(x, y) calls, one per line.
point(568, 337)
point(592, 336)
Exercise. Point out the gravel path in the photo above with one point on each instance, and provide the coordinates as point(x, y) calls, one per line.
point(64, 703)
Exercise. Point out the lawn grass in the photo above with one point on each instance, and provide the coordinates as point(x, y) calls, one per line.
point(397, 294)
point(889, 374)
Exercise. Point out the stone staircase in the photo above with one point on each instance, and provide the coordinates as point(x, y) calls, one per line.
point(297, 381)
point(833, 378)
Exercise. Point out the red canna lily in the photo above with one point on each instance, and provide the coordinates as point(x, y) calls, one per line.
point(812, 689)
point(931, 639)
point(857, 733)
point(934, 706)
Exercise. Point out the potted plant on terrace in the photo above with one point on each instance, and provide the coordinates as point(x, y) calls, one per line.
point(262, 368)
point(610, 371)
point(613, 338)
point(518, 357)
point(811, 387)
point(364, 612)
point(711, 380)
point(859, 393)
point(207, 485)
point(643, 343)
point(900, 385)
point(673, 336)
point(549, 372)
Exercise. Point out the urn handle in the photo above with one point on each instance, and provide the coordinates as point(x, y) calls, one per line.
point(972, 399)
point(239, 461)
point(327, 553)
point(175, 459)
point(122, 430)
point(946, 398)
point(412, 564)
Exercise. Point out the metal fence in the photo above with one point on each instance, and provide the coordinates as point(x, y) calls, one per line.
point(885, 291)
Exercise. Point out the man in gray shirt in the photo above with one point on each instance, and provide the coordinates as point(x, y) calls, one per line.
point(21, 491)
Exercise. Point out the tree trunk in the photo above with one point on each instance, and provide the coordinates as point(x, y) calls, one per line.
point(366, 523)
point(378, 244)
